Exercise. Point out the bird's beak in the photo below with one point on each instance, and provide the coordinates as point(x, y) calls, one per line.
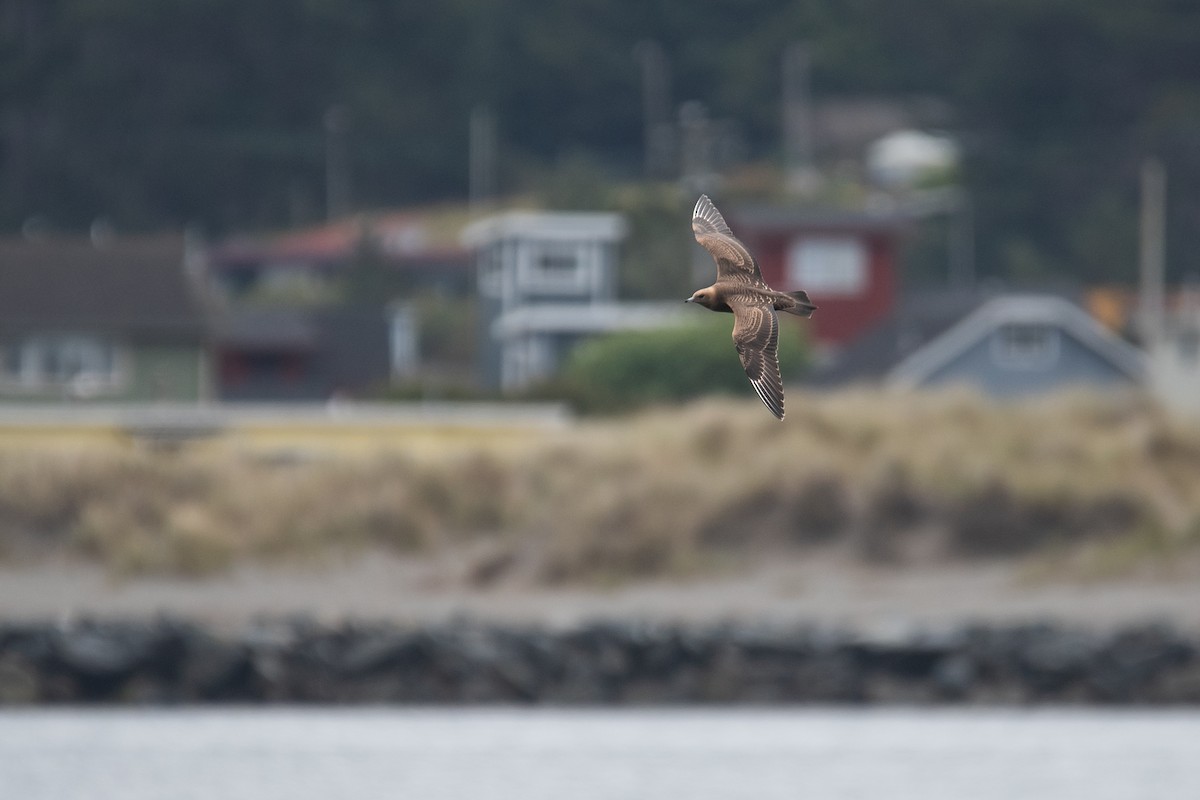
point(689, 299)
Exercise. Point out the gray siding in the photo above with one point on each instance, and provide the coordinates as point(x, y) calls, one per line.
point(1073, 364)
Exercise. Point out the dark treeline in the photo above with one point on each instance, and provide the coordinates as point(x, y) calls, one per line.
point(154, 114)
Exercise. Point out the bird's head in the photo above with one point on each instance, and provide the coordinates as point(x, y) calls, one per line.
point(702, 297)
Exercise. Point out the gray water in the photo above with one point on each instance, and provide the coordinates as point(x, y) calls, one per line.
point(516, 754)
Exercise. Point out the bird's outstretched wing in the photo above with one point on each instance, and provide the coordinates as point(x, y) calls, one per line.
point(734, 262)
point(756, 336)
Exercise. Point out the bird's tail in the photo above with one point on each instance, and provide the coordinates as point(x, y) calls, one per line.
point(800, 305)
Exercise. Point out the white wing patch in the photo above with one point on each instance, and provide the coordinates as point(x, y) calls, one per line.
point(706, 211)
point(734, 261)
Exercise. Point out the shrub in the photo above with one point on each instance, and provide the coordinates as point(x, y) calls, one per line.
point(896, 479)
point(637, 368)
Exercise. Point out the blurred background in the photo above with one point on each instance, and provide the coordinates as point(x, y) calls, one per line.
point(342, 360)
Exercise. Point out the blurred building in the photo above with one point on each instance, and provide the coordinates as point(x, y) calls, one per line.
point(106, 317)
point(300, 353)
point(1172, 347)
point(1022, 344)
point(1002, 343)
point(917, 318)
point(546, 281)
point(326, 311)
point(1174, 354)
point(414, 250)
point(846, 261)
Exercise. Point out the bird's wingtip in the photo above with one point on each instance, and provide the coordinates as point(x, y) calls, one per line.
point(774, 403)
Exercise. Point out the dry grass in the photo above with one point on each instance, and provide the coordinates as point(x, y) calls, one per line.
point(667, 492)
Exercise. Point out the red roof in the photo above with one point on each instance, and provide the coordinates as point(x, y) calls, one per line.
point(400, 236)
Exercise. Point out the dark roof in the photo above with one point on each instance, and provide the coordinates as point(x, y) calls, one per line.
point(917, 318)
point(1041, 309)
point(129, 284)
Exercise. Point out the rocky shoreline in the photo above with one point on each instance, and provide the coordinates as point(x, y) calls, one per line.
point(165, 661)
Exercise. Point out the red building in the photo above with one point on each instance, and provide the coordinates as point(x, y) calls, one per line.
point(847, 262)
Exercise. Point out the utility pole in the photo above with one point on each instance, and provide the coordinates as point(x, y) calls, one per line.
point(658, 135)
point(797, 119)
point(697, 175)
point(962, 240)
point(1151, 252)
point(696, 147)
point(337, 162)
point(482, 157)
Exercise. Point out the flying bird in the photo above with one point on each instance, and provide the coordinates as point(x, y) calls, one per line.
point(741, 290)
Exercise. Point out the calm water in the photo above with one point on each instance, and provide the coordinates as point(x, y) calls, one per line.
point(580, 755)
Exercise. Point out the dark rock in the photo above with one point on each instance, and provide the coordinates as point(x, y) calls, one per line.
point(295, 660)
point(1133, 661)
point(100, 653)
point(1178, 685)
point(1053, 660)
point(216, 670)
point(910, 654)
point(100, 657)
point(954, 676)
point(380, 651)
point(31, 643)
point(19, 684)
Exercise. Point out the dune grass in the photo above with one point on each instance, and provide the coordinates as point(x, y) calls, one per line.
point(676, 491)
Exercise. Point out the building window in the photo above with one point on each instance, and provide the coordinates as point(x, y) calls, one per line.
point(555, 268)
point(1025, 346)
point(828, 266)
point(78, 363)
point(558, 262)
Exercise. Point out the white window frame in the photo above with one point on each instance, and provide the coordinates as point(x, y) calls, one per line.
point(535, 278)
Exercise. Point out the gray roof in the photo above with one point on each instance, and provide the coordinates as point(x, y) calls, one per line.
point(917, 318)
point(134, 285)
point(1019, 308)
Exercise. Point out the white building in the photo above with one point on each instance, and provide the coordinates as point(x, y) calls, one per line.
point(545, 280)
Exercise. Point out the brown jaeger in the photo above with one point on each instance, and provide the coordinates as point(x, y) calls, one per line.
point(741, 290)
